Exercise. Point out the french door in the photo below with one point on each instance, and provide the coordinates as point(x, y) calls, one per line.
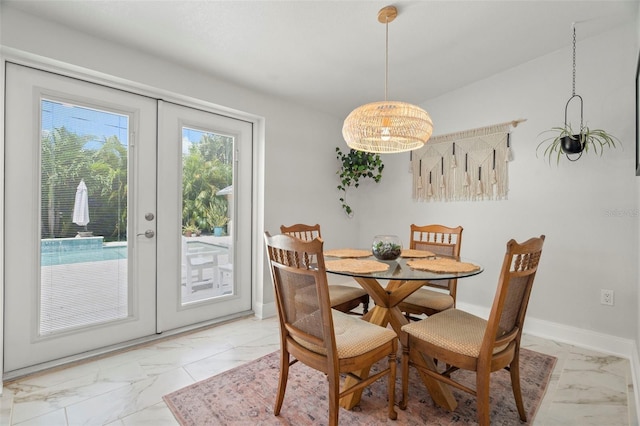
point(205, 162)
point(66, 295)
point(98, 189)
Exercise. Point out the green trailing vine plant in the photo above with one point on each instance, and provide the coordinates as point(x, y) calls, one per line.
point(356, 165)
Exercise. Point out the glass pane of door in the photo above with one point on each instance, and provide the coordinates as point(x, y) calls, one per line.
point(207, 206)
point(83, 262)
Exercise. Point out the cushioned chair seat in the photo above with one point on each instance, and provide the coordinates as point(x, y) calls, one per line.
point(454, 330)
point(430, 299)
point(354, 336)
point(342, 293)
point(338, 294)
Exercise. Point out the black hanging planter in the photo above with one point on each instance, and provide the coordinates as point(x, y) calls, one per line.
point(572, 144)
point(564, 142)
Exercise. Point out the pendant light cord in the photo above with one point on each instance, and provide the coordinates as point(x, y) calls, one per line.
point(386, 59)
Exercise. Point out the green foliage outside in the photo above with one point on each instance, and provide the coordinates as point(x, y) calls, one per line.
point(65, 160)
point(207, 169)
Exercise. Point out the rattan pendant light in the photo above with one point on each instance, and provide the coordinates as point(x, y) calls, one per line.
point(388, 126)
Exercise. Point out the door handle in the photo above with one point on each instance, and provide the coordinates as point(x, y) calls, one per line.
point(148, 233)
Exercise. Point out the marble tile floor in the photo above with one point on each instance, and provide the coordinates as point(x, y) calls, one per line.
point(586, 388)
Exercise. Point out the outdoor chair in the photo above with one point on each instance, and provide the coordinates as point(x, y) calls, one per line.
point(196, 260)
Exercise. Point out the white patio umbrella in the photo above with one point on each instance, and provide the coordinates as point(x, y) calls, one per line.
point(81, 206)
point(226, 191)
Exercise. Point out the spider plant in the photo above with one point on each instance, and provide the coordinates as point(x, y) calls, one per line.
point(563, 141)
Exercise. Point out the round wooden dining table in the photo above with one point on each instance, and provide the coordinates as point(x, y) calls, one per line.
point(400, 280)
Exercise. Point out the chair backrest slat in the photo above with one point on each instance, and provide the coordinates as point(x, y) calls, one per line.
point(441, 240)
point(437, 238)
point(302, 231)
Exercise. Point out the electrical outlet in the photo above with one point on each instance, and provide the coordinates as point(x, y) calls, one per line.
point(606, 297)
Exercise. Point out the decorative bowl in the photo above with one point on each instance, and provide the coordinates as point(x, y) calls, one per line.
point(386, 247)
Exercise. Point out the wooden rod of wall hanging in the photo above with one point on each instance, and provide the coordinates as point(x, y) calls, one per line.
point(464, 134)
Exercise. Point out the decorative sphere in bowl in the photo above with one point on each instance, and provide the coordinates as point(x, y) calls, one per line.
point(386, 247)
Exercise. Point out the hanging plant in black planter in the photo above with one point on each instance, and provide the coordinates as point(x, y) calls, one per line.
point(356, 165)
point(572, 145)
point(567, 142)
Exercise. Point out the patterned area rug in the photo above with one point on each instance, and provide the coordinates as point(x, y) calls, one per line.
point(245, 396)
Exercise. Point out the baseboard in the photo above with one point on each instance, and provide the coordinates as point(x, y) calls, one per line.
point(635, 374)
point(588, 339)
point(265, 310)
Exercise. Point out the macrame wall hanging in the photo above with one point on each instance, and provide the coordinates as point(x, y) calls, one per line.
point(468, 165)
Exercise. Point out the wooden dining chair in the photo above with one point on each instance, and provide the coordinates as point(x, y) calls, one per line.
point(343, 297)
point(464, 341)
point(440, 240)
point(324, 339)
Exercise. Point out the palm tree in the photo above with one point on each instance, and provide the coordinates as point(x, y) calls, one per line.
point(213, 146)
point(203, 174)
point(109, 175)
point(64, 162)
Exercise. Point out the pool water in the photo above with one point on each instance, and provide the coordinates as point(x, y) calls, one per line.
point(63, 257)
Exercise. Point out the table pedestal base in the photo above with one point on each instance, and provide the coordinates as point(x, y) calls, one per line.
point(440, 392)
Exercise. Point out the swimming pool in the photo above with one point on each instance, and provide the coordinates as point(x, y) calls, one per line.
point(64, 251)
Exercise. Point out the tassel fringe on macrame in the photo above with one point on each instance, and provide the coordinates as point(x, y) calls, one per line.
point(464, 166)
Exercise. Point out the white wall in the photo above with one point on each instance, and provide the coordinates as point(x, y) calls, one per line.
point(588, 210)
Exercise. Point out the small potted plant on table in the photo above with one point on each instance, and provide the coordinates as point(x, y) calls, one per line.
point(190, 230)
point(216, 214)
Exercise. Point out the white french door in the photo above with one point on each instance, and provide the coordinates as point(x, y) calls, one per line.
point(101, 187)
point(205, 162)
point(73, 285)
